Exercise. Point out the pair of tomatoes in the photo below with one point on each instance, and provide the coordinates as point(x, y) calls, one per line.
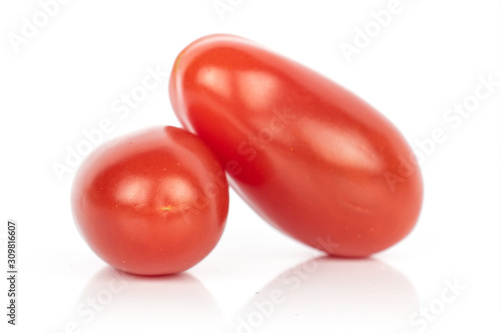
point(311, 158)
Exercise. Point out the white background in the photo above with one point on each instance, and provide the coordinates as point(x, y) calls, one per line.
point(65, 78)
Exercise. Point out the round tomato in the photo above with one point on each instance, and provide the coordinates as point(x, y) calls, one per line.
point(310, 157)
point(153, 202)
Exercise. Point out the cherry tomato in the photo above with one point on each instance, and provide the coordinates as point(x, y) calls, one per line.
point(153, 202)
point(313, 159)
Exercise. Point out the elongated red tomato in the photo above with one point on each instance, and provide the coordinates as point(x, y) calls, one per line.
point(311, 158)
point(153, 202)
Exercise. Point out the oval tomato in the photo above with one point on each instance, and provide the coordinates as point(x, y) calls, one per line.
point(152, 202)
point(310, 157)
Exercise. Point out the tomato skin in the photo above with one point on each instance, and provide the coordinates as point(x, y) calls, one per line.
point(153, 202)
point(310, 157)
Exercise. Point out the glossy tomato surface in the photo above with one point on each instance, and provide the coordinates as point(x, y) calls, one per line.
point(310, 157)
point(153, 202)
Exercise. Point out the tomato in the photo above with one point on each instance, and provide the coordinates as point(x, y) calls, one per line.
point(153, 202)
point(313, 159)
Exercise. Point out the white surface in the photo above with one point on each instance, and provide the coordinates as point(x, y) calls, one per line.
point(429, 57)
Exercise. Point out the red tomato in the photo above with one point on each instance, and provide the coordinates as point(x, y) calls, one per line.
point(311, 158)
point(153, 202)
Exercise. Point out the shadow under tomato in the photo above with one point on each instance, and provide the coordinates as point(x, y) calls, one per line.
point(328, 294)
point(113, 301)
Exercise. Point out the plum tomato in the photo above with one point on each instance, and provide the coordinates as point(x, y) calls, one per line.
point(309, 156)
